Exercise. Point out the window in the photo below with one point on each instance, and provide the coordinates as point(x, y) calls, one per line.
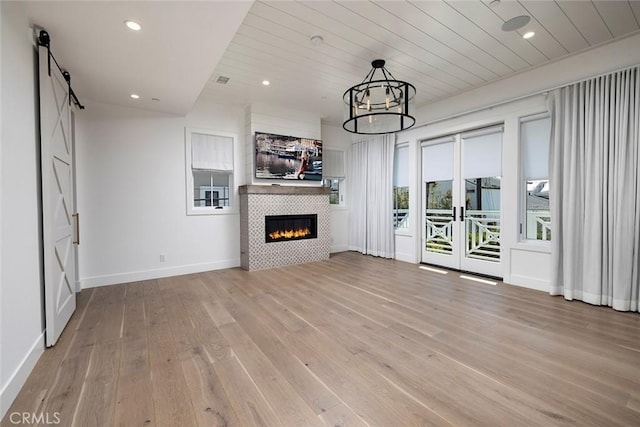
point(334, 185)
point(333, 174)
point(209, 158)
point(535, 133)
point(401, 187)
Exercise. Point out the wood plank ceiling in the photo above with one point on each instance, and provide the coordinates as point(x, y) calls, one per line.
point(442, 47)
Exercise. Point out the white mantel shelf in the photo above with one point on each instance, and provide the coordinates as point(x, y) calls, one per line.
point(282, 189)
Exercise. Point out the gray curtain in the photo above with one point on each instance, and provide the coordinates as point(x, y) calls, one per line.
point(595, 181)
point(370, 192)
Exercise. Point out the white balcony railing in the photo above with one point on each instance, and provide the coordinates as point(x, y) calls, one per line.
point(439, 233)
point(483, 235)
point(539, 225)
point(482, 229)
point(401, 218)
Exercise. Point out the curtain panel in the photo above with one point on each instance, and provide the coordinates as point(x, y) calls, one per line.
point(370, 189)
point(594, 167)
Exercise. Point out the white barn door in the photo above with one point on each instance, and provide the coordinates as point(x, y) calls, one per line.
point(59, 221)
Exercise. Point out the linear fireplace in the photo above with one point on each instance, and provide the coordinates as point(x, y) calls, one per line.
point(278, 228)
point(258, 251)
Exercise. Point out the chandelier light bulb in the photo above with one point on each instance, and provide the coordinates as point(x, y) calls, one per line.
point(387, 101)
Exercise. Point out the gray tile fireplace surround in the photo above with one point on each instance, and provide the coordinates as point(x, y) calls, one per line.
point(258, 201)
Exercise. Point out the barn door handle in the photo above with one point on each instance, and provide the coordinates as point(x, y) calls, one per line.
point(76, 217)
point(454, 213)
point(461, 213)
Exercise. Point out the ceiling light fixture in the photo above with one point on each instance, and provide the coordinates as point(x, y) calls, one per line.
point(135, 96)
point(516, 23)
point(379, 106)
point(316, 40)
point(133, 25)
point(266, 82)
point(528, 35)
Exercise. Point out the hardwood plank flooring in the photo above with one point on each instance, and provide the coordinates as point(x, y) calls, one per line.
point(352, 341)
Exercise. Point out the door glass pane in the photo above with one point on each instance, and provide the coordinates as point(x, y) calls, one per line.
point(482, 218)
point(439, 217)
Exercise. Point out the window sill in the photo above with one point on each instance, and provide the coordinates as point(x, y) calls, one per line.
point(198, 212)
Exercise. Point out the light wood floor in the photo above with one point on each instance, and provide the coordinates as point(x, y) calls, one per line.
point(351, 341)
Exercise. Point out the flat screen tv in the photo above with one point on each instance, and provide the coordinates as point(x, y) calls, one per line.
point(287, 157)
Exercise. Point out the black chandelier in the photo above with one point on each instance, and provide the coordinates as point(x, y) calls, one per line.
point(379, 106)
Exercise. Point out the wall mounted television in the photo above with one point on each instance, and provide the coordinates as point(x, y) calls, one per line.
point(287, 157)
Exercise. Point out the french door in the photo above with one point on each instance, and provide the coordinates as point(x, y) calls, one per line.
point(461, 182)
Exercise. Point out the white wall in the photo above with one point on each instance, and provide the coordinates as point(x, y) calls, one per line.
point(279, 120)
point(523, 263)
point(335, 137)
point(21, 322)
point(132, 195)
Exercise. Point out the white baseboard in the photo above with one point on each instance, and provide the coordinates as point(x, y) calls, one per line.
point(136, 276)
point(405, 257)
point(11, 389)
point(339, 248)
point(528, 282)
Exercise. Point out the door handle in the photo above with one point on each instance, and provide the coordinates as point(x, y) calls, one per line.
point(461, 213)
point(76, 216)
point(454, 213)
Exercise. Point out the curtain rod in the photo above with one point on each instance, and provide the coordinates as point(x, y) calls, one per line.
point(45, 41)
point(518, 98)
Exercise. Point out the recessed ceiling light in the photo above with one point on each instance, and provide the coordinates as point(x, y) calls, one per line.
point(316, 40)
point(135, 96)
point(266, 82)
point(516, 23)
point(528, 34)
point(133, 25)
point(155, 99)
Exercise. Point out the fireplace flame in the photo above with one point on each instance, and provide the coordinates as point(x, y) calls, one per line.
point(289, 234)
